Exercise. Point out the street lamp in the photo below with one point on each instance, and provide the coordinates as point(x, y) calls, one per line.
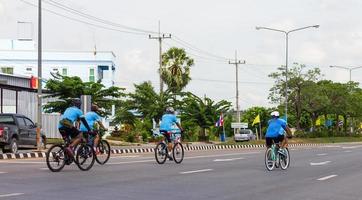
point(286, 56)
point(350, 79)
point(347, 68)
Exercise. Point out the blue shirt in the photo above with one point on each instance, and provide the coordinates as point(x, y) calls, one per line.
point(282, 131)
point(91, 118)
point(274, 128)
point(167, 121)
point(72, 114)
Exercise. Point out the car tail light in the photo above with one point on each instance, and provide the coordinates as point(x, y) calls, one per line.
point(1, 131)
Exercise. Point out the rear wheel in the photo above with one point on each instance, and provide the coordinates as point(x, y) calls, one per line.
point(85, 157)
point(103, 152)
point(14, 146)
point(178, 152)
point(55, 158)
point(284, 159)
point(269, 162)
point(161, 153)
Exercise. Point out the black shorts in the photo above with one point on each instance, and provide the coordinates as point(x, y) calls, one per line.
point(269, 140)
point(69, 132)
point(167, 135)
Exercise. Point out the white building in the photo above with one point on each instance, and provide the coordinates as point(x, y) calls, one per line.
point(20, 57)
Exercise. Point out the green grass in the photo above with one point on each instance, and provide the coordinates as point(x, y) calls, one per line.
point(54, 140)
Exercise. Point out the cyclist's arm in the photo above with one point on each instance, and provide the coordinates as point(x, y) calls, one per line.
point(287, 129)
point(179, 126)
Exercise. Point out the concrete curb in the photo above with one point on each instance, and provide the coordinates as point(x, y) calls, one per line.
point(148, 150)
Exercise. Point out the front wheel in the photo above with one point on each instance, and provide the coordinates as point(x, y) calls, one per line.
point(55, 158)
point(284, 159)
point(85, 157)
point(178, 152)
point(161, 153)
point(103, 152)
point(269, 161)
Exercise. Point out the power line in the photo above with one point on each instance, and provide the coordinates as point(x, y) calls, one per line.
point(89, 16)
point(190, 46)
point(81, 21)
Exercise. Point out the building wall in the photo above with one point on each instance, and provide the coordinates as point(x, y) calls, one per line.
point(80, 64)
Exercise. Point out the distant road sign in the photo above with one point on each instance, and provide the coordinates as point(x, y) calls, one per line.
point(239, 125)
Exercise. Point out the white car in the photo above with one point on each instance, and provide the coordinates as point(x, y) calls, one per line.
point(244, 135)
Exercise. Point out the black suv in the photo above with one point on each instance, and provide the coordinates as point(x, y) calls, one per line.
point(17, 131)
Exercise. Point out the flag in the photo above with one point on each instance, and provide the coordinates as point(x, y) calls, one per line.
point(318, 122)
point(220, 121)
point(256, 120)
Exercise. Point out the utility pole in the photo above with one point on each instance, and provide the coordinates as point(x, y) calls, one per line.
point(236, 63)
point(39, 120)
point(160, 38)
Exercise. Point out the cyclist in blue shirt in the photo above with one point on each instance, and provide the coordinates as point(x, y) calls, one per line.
point(68, 124)
point(93, 120)
point(274, 132)
point(168, 119)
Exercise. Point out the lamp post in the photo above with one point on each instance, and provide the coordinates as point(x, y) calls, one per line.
point(286, 57)
point(347, 68)
point(350, 69)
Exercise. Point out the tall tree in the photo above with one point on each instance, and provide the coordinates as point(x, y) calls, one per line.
point(175, 71)
point(297, 79)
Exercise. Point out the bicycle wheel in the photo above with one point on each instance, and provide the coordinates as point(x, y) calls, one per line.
point(103, 152)
point(161, 153)
point(55, 158)
point(284, 159)
point(178, 152)
point(269, 162)
point(85, 157)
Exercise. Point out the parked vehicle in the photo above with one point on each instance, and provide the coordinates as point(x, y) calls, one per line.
point(17, 131)
point(244, 135)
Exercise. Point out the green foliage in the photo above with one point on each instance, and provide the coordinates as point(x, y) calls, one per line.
point(64, 88)
point(175, 70)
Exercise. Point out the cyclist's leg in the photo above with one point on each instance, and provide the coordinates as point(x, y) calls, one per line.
point(96, 140)
point(282, 140)
point(268, 142)
point(76, 135)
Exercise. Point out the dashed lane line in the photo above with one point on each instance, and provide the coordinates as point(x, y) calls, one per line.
point(319, 163)
point(196, 171)
point(327, 177)
point(227, 159)
point(11, 194)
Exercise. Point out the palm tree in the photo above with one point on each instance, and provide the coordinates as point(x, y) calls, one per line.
point(175, 71)
point(202, 111)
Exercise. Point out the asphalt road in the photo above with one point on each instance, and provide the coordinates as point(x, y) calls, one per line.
point(331, 172)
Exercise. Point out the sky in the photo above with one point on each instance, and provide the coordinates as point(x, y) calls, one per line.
point(210, 31)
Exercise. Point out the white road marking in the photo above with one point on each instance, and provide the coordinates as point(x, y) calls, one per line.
point(44, 168)
point(332, 146)
point(196, 171)
point(20, 162)
point(227, 159)
point(326, 177)
point(352, 147)
point(11, 195)
point(348, 151)
point(186, 158)
point(320, 163)
point(322, 154)
point(3, 172)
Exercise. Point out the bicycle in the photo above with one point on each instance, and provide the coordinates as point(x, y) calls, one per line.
point(161, 150)
point(104, 149)
point(59, 157)
point(274, 158)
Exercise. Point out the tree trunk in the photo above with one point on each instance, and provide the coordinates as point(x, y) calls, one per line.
point(202, 136)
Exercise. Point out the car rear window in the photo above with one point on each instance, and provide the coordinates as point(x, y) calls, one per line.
point(7, 119)
point(244, 131)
